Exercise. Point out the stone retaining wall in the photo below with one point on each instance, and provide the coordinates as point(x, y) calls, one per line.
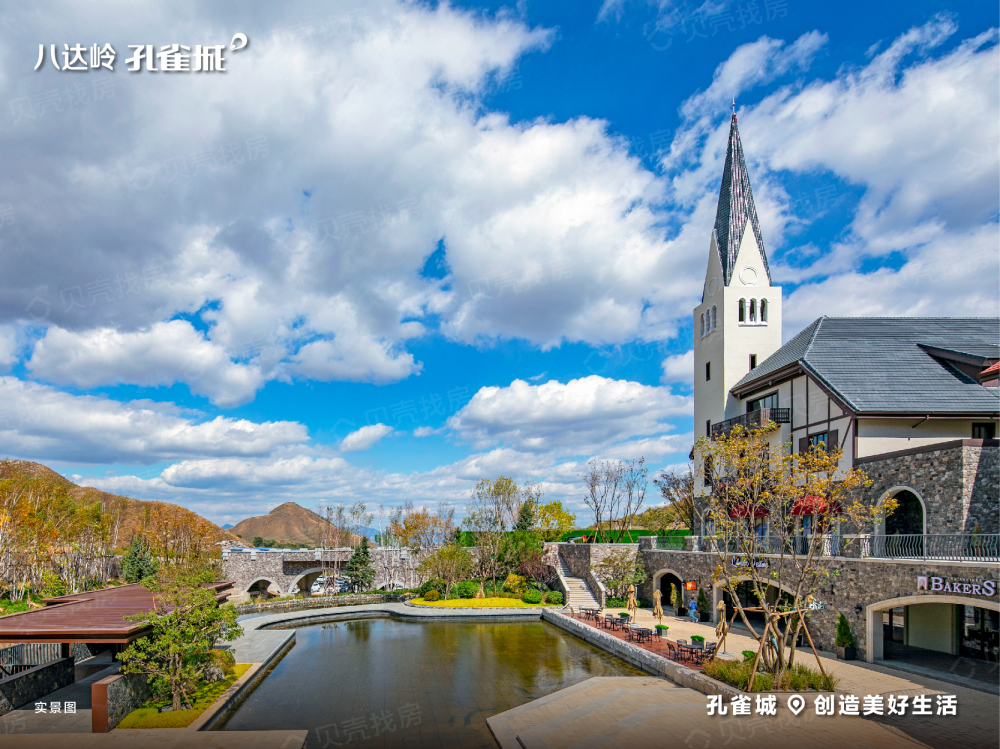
point(35, 683)
point(114, 697)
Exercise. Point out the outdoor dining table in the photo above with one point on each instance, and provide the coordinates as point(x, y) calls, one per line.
point(590, 613)
point(611, 622)
point(642, 634)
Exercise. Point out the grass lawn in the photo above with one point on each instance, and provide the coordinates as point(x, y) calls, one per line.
point(12, 607)
point(149, 716)
point(480, 603)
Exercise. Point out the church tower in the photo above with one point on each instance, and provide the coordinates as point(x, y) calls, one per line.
point(738, 323)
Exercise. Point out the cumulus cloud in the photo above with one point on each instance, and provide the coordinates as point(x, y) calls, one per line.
point(297, 256)
point(165, 353)
point(364, 438)
point(678, 368)
point(41, 423)
point(577, 415)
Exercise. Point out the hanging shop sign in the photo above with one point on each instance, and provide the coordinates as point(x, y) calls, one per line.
point(745, 563)
point(691, 585)
point(964, 586)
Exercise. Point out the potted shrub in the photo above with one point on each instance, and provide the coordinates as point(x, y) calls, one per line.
point(704, 615)
point(697, 641)
point(846, 650)
point(661, 630)
point(677, 601)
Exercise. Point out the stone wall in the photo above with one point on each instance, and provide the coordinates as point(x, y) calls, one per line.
point(582, 558)
point(114, 697)
point(959, 485)
point(284, 568)
point(33, 684)
point(981, 469)
point(854, 584)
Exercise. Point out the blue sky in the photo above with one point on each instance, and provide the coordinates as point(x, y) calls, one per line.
point(398, 247)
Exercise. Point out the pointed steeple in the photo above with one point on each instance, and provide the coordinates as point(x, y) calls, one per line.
point(735, 208)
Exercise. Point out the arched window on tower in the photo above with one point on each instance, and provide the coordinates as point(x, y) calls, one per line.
point(713, 317)
point(743, 310)
point(702, 325)
point(763, 310)
point(753, 310)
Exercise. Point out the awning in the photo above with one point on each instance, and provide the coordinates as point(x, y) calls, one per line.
point(743, 511)
point(812, 505)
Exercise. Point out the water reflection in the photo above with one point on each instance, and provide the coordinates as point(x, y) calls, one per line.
point(391, 683)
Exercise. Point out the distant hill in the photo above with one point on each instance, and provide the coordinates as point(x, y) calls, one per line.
point(287, 524)
point(138, 512)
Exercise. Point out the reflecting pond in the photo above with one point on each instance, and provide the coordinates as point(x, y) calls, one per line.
point(395, 683)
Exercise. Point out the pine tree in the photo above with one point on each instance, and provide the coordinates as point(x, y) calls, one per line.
point(359, 570)
point(138, 562)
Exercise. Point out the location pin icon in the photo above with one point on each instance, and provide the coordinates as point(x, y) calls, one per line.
point(796, 703)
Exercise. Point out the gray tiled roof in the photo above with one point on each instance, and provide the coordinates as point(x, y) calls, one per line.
point(735, 208)
point(876, 364)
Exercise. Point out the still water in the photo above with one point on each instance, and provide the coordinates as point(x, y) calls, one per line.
point(394, 683)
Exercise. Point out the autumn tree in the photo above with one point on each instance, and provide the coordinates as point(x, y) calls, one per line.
point(552, 521)
point(792, 507)
point(451, 564)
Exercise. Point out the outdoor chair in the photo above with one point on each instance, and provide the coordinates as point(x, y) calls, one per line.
point(710, 648)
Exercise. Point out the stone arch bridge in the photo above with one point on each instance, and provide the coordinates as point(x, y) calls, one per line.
point(284, 571)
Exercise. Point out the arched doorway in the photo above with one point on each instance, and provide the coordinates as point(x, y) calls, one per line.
point(953, 634)
point(667, 579)
point(908, 517)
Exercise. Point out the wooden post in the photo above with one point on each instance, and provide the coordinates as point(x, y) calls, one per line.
point(725, 633)
point(753, 674)
point(809, 636)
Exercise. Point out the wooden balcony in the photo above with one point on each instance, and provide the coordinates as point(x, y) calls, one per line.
point(752, 420)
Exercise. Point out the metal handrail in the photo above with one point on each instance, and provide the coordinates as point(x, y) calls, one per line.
point(757, 418)
point(945, 547)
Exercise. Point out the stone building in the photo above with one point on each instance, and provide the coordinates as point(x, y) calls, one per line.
point(912, 401)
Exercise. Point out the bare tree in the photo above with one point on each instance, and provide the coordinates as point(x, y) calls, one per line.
point(634, 481)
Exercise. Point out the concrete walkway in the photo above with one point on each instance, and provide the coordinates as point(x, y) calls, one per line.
point(630, 712)
point(26, 721)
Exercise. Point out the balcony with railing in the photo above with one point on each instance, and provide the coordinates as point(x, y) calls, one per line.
point(936, 547)
point(752, 420)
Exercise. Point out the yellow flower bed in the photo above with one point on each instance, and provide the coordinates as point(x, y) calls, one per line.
point(151, 717)
point(478, 603)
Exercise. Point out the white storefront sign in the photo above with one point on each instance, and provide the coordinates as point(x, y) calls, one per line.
point(943, 585)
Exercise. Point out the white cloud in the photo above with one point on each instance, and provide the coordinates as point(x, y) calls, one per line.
point(163, 354)
point(678, 368)
point(566, 419)
point(751, 65)
point(41, 423)
point(424, 431)
point(364, 438)
point(9, 346)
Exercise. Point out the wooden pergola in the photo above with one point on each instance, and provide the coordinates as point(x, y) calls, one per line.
point(97, 616)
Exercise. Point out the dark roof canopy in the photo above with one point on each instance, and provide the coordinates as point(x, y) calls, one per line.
point(94, 616)
point(889, 364)
point(736, 208)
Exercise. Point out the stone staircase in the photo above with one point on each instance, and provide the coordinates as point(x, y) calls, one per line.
point(577, 593)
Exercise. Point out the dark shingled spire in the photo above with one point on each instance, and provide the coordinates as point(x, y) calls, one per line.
point(735, 208)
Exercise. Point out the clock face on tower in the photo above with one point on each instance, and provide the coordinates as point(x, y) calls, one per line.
point(713, 285)
point(748, 276)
